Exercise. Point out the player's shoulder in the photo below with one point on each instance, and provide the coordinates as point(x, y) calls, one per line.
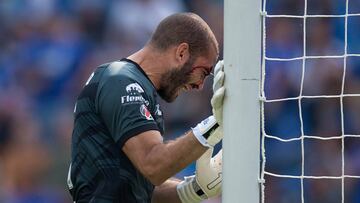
point(118, 71)
point(125, 75)
point(130, 72)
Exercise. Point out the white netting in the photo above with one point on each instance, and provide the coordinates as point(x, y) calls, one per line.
point(303, 137)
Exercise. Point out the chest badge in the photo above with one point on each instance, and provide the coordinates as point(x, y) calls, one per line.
point(145, 112)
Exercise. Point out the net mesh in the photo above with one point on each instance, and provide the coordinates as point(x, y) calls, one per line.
point(304, 76)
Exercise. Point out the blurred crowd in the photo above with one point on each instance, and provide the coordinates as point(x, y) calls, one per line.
point(50, 47)
point(48, 50)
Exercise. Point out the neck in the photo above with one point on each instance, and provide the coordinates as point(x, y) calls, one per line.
point(152, 62)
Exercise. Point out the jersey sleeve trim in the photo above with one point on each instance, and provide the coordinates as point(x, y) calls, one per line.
point(135, 131)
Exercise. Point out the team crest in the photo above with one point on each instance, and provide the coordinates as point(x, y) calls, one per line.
point(145, 112)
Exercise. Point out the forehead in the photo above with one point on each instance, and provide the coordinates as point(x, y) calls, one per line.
point(206, 61)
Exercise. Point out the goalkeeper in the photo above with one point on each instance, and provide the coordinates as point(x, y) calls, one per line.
point(118, 153)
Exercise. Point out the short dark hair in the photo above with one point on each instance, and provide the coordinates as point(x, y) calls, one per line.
point(184, 28)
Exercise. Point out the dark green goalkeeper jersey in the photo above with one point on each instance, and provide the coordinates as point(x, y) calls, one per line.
point(118, 102)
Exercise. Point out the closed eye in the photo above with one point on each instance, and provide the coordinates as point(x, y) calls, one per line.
point(205, 70)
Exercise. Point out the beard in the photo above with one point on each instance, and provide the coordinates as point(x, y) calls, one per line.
point(173, 80)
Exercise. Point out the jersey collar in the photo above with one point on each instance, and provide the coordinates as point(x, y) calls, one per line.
point(139, 68)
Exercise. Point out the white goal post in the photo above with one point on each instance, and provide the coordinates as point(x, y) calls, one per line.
point(241, 143)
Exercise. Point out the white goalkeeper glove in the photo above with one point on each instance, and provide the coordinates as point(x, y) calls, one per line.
point(219, 92)
point(207, 181)
point(208, 132)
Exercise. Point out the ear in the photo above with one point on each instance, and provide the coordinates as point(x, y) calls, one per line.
point(182, 54)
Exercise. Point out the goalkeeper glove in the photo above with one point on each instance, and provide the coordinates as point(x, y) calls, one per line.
point(208, 132)
point(219, 92)
point(207, 181)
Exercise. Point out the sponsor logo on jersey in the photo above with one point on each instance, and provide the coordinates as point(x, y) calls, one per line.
point(134, 87)
point(158, 112)
point(128, 99)
point(134, 96)
point(145, 112)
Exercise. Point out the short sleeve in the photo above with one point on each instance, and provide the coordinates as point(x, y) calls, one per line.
point(123, 106)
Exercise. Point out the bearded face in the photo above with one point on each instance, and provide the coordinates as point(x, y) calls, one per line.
point(175, 80)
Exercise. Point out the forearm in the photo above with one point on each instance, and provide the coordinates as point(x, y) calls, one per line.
point(158, 161)
point(167, 159)
point(166, 192)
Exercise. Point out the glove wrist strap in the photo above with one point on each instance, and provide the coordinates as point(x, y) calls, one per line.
point(198, 189)
point(189, 191)
point(204, 129)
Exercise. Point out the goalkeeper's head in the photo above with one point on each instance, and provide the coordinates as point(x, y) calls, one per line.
point(190, 49)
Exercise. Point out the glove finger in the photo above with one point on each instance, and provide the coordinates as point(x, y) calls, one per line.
point(206, 157)
point(217, 103)
point(219, 67)
point(218, 115)
point(218, 97)
point(204, 160)
point(218, 80)
point(217, 160)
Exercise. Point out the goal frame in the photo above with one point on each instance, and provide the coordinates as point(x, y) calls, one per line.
point(242, 59)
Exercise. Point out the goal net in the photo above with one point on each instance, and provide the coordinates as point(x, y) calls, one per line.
point(292, 106)
point(310, 101)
